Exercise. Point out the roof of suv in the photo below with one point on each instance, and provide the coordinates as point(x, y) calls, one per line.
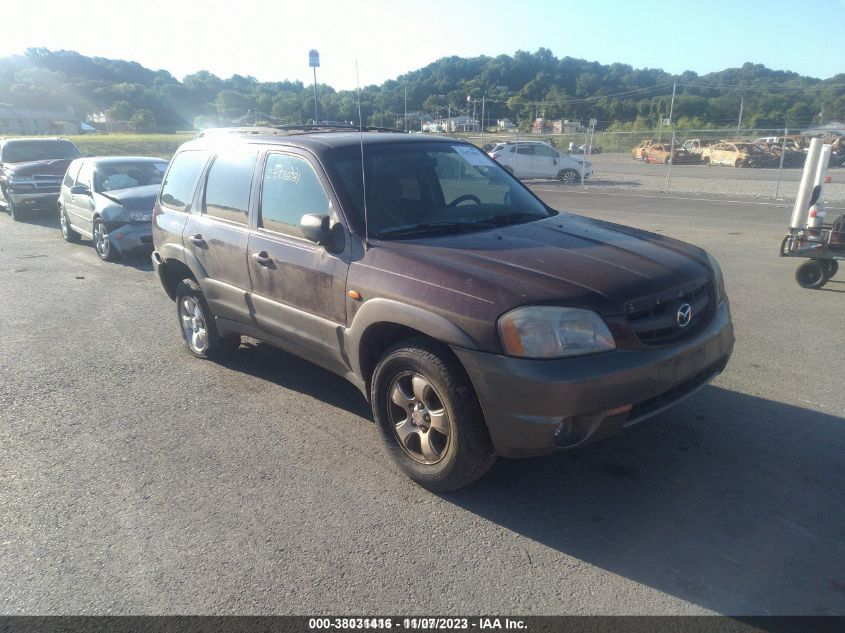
point(315, 138)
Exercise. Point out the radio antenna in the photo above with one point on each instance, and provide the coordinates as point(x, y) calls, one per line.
point(363, 173)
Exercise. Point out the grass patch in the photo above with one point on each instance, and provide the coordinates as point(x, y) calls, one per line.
point(161, 145)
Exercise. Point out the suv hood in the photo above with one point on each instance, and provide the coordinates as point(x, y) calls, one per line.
point(565, 259)
point(51, 167)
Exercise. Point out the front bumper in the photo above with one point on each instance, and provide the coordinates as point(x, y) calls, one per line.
point(45, 201)
point(533, 407)
point(131, 235)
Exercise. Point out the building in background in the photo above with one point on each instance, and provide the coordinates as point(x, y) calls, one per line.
point(31, 121)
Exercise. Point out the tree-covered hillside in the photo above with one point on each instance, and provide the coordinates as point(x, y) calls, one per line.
point(519, 87)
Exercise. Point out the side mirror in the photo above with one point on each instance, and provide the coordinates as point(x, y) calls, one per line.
point(315, 227)
point(80, 190)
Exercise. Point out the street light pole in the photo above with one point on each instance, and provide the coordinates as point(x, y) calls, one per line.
point(314, 62)
point(405, 124)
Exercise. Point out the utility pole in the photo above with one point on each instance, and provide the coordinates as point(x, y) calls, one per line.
point(406, 107)
point(482, 120)
point(739, 123)
point(672, 102)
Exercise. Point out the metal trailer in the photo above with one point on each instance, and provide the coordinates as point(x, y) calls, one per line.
point(808, 236)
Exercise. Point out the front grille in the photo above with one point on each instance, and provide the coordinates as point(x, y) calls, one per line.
point(656, 322)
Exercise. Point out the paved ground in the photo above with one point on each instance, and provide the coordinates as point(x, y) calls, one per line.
point(619, 172)
point(137, 479)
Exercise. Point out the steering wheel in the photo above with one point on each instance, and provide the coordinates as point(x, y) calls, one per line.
point(464, 198)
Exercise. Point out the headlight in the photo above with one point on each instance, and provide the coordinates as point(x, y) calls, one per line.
point(718, 278)
point(137, 216)
point(554, 332)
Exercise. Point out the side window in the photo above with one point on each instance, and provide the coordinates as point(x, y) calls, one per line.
point(290, 189)
point(86, 176)
point(71, 173)
point(525, 150)
point(228, 186)
point(181, 178)
point(542, 150)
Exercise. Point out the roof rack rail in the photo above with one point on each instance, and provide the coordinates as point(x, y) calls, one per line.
point(289, 130)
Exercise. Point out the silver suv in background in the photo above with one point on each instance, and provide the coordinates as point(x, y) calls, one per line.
point(536, 159)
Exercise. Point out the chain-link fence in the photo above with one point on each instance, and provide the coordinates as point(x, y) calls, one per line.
point(762, 163)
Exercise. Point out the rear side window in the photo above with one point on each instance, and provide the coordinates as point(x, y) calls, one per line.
point(290, 189)
point(181, 178)
point(228, 186)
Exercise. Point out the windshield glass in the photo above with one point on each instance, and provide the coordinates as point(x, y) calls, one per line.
point(424, 188)
point(113, 176)
point(27, 151)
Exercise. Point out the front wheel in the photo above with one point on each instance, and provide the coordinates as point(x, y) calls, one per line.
point(429, 417)
point(14, 213)
point(196, 322)
point(102, 245)
point(569, 176)
point(811, 275)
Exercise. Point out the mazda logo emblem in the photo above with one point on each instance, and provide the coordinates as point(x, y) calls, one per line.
point(684, 315)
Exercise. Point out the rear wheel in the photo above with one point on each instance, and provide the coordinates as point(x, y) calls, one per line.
point(429, 417)
point(830, 267)
point(811, 275)
point(68, 233)
point(196, 322)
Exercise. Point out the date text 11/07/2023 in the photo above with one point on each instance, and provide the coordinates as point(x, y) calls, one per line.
point(416, 624)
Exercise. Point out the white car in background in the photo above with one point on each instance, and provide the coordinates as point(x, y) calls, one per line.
point(536, 159)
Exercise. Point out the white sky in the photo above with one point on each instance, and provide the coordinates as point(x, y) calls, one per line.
point(270, 40)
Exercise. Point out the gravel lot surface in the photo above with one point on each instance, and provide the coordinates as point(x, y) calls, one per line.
point(136, 479)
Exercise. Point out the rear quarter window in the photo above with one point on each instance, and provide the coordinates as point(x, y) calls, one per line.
point(181, 179)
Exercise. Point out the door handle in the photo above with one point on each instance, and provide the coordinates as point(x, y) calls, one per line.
point(262, 259)
point(197, 240)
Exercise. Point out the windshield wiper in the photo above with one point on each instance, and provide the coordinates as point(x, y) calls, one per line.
point(510, 218)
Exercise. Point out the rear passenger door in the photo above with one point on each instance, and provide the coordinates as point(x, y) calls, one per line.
point(217, 231)
point(545, 162)
point(298, 287)
point(523, 164)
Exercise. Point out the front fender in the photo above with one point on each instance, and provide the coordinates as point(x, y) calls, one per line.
point(380, 311)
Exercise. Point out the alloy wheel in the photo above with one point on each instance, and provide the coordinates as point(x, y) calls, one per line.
point(419, 418)
point(193, 325)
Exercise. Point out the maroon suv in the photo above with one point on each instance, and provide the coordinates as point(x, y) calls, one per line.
point(475, 319)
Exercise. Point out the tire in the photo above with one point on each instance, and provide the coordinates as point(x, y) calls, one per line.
point(830, 267)
point(102, 246)
point(68, 233)
point(738, 163)
point(197, 325)
point(569, 176)
point(428, 416)
point(16, 214)
point(811, 275)
point(706, 161)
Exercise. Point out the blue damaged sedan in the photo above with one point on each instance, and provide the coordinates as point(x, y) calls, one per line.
point(109, 200)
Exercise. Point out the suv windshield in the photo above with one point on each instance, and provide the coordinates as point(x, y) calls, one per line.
point(427, 188)
point(27, 151)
